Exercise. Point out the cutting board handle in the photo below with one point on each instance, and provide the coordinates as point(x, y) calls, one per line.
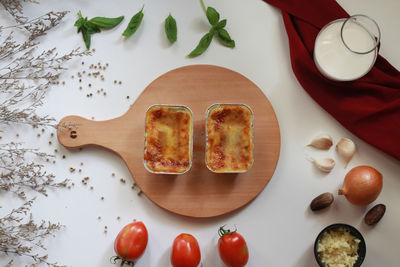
point(75, 132)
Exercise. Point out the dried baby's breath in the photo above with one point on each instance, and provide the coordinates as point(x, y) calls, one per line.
point(26, 75)
point(20, 235)
point(17, 174)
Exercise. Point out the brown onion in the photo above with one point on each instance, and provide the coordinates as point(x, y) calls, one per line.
point(362, 185)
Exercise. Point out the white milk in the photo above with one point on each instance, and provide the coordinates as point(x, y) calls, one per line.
point(334, 60)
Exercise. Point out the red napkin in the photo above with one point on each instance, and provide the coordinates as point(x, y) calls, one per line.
point(368, 107)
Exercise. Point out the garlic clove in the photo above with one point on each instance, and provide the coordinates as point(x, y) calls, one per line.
point(346, 149)
point(324, 164)
point(322, 141)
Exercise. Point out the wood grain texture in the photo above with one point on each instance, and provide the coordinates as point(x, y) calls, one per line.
point(199, 192)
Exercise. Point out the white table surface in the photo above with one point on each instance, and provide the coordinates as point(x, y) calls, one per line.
point(278, 225)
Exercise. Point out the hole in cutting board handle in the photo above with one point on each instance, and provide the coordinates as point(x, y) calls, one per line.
point(73, 134)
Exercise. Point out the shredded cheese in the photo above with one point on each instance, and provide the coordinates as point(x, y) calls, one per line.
point(338, 248)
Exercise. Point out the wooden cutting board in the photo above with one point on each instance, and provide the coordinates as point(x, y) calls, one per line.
point(199, 192)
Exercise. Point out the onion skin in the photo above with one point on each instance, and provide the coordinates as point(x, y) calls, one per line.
point(362, 185)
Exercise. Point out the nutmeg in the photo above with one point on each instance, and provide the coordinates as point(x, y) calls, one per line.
point(322, 201)
point(375, 214)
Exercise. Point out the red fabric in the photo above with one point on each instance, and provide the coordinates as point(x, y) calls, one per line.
point(368, 107)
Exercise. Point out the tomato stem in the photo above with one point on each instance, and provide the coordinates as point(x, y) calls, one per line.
point(114, 260)
point(222, 232)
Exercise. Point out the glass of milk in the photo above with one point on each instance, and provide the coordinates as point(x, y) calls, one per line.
point(346, 49)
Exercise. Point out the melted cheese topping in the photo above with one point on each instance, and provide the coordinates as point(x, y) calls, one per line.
point(168, 139)
point(229, 145)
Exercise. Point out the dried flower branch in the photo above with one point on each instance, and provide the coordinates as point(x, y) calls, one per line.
point(14, 7)
point(36, 27)
point(25, 78)
point(23, 238)
point(17, 175)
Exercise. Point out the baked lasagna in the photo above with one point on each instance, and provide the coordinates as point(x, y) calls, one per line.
point(168, 139)
point(229, 138)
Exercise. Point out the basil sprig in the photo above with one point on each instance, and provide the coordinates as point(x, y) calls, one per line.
point(134, 23)
point(94, 25)
point(217, 28)
point(170, 29)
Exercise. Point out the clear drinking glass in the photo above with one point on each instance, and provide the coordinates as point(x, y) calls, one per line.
point(346, 49)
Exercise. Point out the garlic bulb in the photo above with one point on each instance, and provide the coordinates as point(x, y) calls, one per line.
point(324, 164)
point(322, 141)
point(346, 149)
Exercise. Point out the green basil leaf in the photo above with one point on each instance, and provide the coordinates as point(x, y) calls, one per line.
point(224, 38)
point(91, 30)
point(86, 38)
point(105, 23)
point(80, 22)
point(134, 23)
point(203, 44)
point(212, 15)
point(171, 29)
point(220, 24)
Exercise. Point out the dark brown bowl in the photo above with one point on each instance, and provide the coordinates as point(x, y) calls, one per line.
point(361, 247)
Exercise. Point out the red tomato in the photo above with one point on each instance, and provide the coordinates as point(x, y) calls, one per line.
point(232, 248)
point(185, 251)
point(131, 242)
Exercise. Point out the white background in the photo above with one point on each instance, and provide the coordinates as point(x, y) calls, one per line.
point(278, 226)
